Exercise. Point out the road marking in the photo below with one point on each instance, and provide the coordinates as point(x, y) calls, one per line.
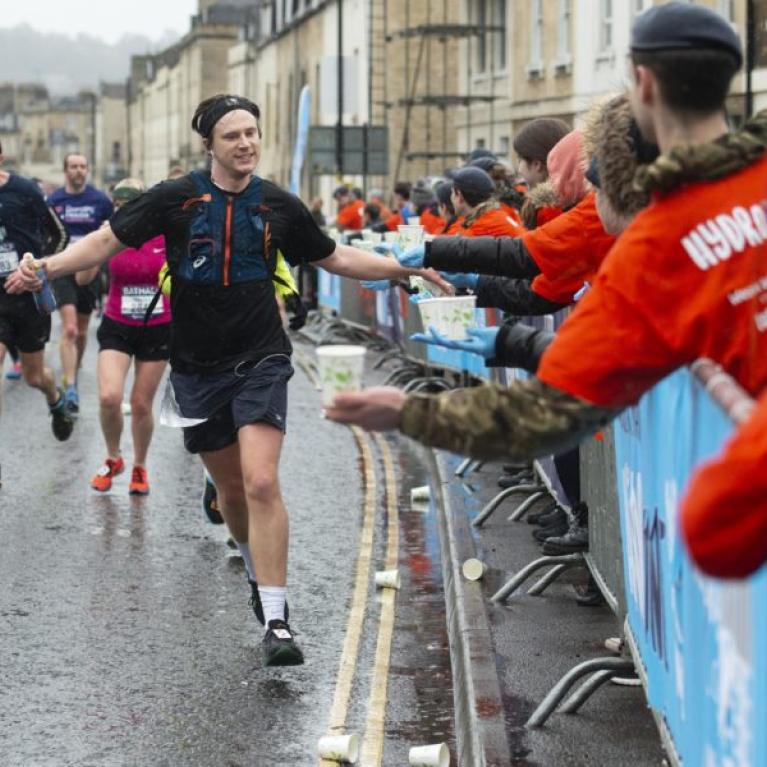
point(350, 652)
point(372, 746)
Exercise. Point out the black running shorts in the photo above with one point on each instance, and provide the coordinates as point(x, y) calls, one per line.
point(260, 396)
point(83, 297)
point(148, 344)
point(21, 324)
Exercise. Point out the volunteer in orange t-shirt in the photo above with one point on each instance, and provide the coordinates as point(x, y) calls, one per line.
point(473, 200)
point(403, 207)
point(349, 210)
point(688, 278)
point(724, 513)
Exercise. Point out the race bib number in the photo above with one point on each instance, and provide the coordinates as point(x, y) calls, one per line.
point(136, 299)
point(9, 262)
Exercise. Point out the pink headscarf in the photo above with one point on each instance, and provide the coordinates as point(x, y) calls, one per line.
point(566, 169)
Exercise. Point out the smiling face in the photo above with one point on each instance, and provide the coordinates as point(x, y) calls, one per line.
point(235, 145)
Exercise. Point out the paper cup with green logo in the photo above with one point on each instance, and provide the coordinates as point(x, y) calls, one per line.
point(341, 369)
point(339, 748)
point(450, 315)
point(410, 235)
point(370, 236)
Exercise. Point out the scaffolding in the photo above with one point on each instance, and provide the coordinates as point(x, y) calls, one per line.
point(431, 83)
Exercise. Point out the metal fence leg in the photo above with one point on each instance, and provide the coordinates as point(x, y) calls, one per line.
point(492, 505)
point(585, 691)
point(566, 560)
point(464, 467)
point(523, 507)
point(561, 688)
point(541, 585)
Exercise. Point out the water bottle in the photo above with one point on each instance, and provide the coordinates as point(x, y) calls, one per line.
point(45, 299)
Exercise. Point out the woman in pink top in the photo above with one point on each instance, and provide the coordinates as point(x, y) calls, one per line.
point(123, 336)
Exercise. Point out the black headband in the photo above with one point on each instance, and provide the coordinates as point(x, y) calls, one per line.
point(207, 121)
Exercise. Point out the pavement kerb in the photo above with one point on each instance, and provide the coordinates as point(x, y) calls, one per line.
point(480, 726)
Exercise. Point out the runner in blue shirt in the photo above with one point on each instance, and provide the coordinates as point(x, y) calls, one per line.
point(83, 209)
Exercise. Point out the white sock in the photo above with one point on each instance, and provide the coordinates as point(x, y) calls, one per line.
point(273, 602)
point(245, 552)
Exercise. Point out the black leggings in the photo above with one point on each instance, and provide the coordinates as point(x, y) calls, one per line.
point(568, 470)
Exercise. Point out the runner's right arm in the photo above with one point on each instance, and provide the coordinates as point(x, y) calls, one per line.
point(92, 250)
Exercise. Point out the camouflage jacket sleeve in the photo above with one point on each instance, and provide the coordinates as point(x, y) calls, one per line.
point(527, 420)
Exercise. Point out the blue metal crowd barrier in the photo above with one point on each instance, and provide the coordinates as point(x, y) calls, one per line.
point(699, 643)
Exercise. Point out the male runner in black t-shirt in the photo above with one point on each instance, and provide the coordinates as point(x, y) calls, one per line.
point(230, 357)
point(28, 224)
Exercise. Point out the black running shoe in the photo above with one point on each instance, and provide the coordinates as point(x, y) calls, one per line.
point(210, 502)
point(62, 422)
point(255, 603)
point(280, 649)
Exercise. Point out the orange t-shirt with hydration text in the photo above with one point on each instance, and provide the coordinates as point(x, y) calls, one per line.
point(687, 279)
point(724, 513)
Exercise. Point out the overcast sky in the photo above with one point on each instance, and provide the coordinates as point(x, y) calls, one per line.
point(108, 19)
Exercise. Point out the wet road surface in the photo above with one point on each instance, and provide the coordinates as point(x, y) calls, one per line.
point(126, 634)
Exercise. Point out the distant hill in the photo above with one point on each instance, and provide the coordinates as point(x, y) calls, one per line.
point(68, 64)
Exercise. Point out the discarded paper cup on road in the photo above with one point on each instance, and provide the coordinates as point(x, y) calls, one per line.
point(125, 408)
point(340, 368)
point(473, 569)
point(420, 494)
point(388, 579)
point(436, 755)
point(450, 315)
point(339, 748)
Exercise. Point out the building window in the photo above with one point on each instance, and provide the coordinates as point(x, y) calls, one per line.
point(491, 51)
point(637, 6)
point(605, 26)
point(503, 146)
point(536, 37)
point(727, 9)
point(564, 31)
point(499, 35)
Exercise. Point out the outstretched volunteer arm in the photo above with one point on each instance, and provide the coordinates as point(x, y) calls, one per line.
point(90, 251)
point(347, 261)
point(503, 256)
point(526, 420)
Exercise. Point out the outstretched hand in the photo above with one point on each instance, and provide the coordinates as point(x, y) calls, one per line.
point(478, 340)
point(375, 409)
point(24, 279)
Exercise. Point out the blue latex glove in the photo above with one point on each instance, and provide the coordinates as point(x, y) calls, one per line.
point(461, 280)
point(479, 341)
point(413, 258)
point(384, 248)
point(377, 285)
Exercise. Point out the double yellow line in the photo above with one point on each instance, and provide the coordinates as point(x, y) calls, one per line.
point(373, 740)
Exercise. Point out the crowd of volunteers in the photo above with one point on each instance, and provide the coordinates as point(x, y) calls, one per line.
point(643, 224)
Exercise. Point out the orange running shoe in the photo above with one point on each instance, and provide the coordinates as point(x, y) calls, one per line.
point(139, 482)
point(103, 479)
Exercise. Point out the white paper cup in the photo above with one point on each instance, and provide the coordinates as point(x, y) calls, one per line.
point(339, 748)
point(410, 235)
point(388, 579)
point(473, 569)
point(437, 755)
point(414, 220)
point(125, 408)
point(391, 236)
point(367, 245)
point(370, 236)
point(341, 368)
point(450, 315)
point(420, 494)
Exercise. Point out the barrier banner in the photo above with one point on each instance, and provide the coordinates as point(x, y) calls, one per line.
point(329, 290)
point(702, 642)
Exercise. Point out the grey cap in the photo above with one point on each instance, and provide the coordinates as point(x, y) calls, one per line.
point(676, 26)
point(473, 179)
